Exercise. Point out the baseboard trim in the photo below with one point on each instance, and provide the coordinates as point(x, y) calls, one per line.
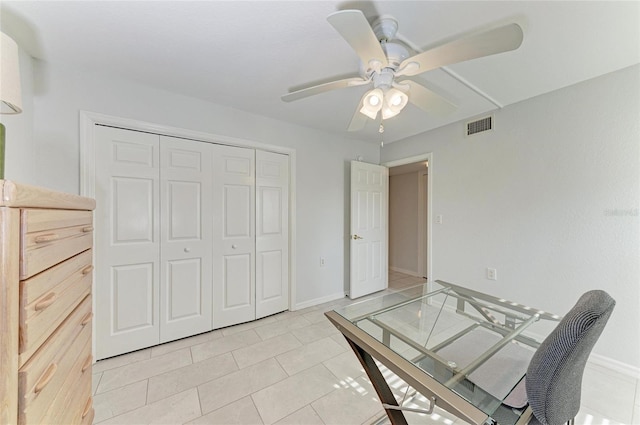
point(317, 301)
point(409, 272)
point(614, 365)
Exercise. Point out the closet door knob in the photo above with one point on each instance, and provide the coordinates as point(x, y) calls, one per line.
point(187, 250)
point(234, 246)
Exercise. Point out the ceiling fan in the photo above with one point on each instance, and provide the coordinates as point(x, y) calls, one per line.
point(386, 64)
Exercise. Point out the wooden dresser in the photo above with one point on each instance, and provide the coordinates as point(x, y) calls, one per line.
point(46, 268)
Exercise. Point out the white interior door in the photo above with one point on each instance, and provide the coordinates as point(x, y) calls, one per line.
point(272, 235)
point(127, 240)
point(368, 246)
point(234, 236)
point(186, 237)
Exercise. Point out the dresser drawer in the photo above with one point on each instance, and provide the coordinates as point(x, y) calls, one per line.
point(51, 236)
point(49, 297)
point(73, 402)
point(43, 375)
point(88, 413)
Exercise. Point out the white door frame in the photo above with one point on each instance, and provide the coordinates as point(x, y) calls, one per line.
point(423, 181)
point(88, 120)
point(409, 160)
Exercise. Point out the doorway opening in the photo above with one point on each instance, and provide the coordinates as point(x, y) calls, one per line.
point(409, 221)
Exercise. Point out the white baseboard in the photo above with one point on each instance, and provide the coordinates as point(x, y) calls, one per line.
point(409, 272)
point(614, 365)
point(317, 301)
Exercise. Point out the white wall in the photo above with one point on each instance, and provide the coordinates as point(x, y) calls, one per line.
point(403, 223)
point(19, 128)
point(550, 198)
point(51, 158)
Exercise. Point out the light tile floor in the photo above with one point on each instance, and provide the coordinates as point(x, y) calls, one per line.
point(292, 368)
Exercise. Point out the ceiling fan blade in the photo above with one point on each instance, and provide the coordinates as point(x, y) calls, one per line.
point(321, 88)
point(498, 40)
point(355, 29)
point(428, 100)
point(359, 119)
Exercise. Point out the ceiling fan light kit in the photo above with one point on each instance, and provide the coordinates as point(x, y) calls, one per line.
point(390, 103)
point(384, 63)
point(372, 103)
point(395, 101)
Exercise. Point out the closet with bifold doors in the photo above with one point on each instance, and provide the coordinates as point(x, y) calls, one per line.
point(190, 236)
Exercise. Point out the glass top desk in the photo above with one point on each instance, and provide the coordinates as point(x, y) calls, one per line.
point(467, 352)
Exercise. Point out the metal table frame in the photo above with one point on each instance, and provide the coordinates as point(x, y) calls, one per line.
point(366, 348)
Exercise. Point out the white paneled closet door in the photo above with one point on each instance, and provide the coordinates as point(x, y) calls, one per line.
point(186, 237)
point(272, 235)
point(234, 236)
point(190, 236)
point(127, 240)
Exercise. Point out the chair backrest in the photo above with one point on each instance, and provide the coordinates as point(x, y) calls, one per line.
point(554, 376)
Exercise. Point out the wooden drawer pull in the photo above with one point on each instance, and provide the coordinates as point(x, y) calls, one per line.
point(87, 407)
point(86, 319)
point(46, 301)
point(87, 229)
point(46, 238)
point(87, 270)
point(46, 377)
point(87, 363)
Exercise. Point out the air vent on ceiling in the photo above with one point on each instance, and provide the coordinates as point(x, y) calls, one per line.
point(478, 126)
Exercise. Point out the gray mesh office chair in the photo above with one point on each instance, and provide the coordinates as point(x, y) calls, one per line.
point(554, 376)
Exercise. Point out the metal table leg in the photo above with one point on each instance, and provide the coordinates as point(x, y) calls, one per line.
point(379, 383)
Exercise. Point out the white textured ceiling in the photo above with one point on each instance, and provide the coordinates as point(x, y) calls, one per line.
point(246, 54)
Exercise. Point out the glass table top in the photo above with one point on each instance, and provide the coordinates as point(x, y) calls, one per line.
point(477, 345)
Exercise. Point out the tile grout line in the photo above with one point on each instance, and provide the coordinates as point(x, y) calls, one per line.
point(317, 413)
point(256, 407)
point(199, 403)
point(199, 385)
point(146, 398)
point(142, 379)
point(97, 384)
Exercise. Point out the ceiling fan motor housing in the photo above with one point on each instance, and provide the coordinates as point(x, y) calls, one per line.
point(396, 53)
point(385, 28)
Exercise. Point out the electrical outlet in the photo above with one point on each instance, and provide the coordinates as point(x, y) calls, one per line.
point(492, 274)
point(439, 219)
point(322, 262)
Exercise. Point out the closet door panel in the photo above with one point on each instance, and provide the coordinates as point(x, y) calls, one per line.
point(127, 241)
point(234, 236)
point(186, 238)
point(132, 197)
point(272, 236)
point(270, 269)
point(237, 276)
point(132, 297)
point(184, 292)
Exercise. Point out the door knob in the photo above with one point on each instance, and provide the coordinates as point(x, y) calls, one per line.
point(234, 246)
point(187, 250)
point(355, 237)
